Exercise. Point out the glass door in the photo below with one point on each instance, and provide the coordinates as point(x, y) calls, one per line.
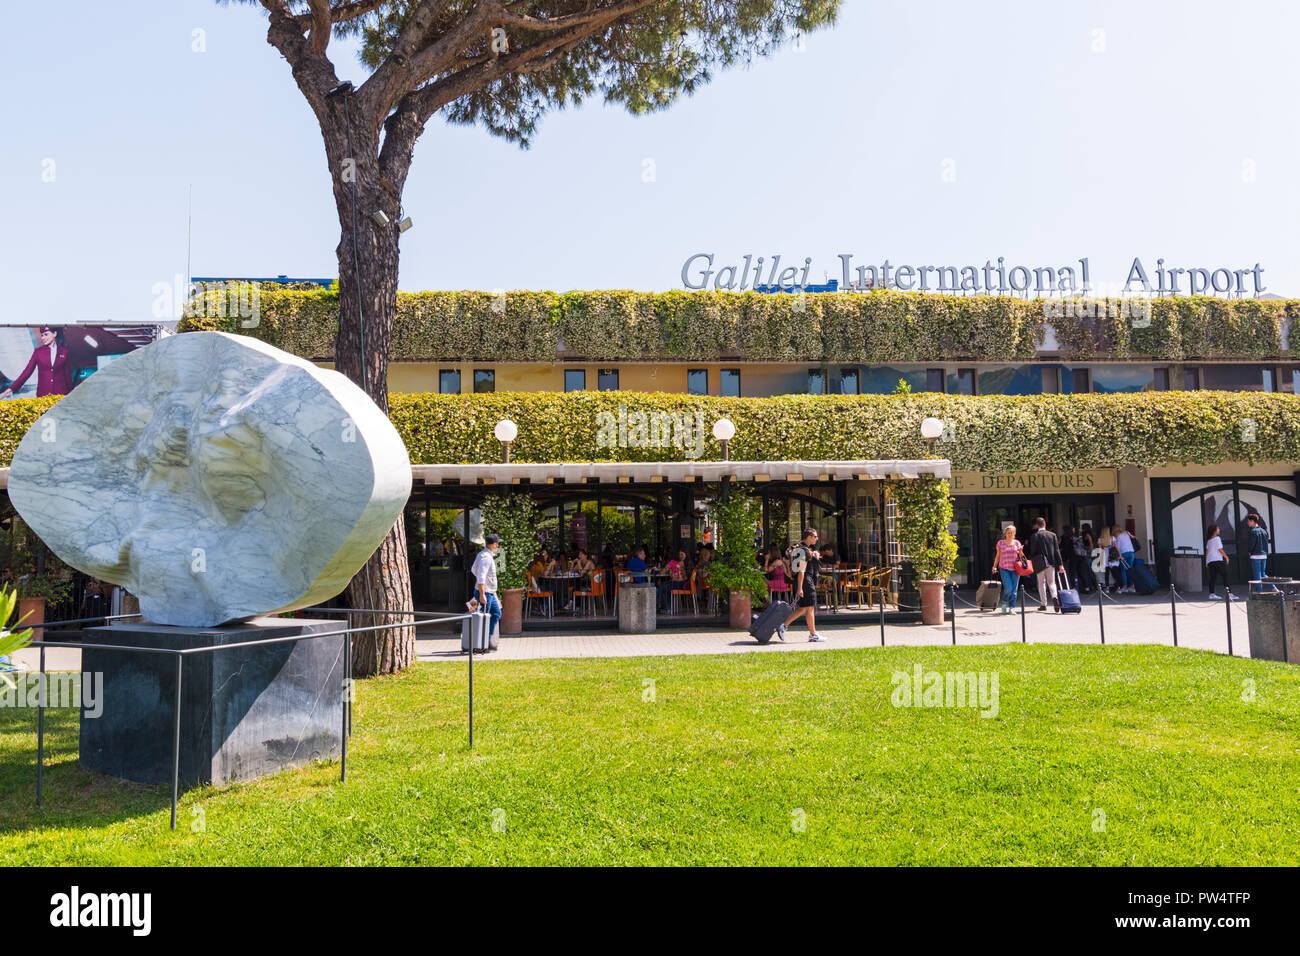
point(966, 570)
point(1028, 513)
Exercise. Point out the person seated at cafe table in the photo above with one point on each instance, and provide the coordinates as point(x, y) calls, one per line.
point(636, 566)
point(582, 564)
point(677, 569)
point(538, 566)
point(559, 564)
point(828, 558)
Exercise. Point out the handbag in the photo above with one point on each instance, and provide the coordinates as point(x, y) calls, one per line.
point(1024, 566)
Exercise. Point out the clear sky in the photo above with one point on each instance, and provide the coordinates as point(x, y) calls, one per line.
point(942, 133)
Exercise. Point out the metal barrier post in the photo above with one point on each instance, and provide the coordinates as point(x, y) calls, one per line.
point(40, 732)
point(1227, 606)
point(1173, 611)
point(473, 639)
point(952, 603)
point(1281, 594)
point(347, 705)
point(1020, 593)
point(882, 618)
point(176, 739)
point(1101, 613)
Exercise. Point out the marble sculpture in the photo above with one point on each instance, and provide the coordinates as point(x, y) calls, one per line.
point(215, 477)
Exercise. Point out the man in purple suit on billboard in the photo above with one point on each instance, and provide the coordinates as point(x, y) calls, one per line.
point(50, 361)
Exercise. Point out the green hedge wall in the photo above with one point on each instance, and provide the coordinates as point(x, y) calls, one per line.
point(987, 432)
point(991, 432)
point(16, 416)
point(880, 327)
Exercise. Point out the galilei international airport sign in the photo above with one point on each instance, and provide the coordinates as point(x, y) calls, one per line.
point(703, 271)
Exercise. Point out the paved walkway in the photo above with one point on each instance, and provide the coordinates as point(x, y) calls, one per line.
point(1129, 619)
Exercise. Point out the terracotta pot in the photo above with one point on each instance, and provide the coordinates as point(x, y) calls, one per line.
point(512, 611)
point(31, 612)
point(931, 601)
point(741, 609)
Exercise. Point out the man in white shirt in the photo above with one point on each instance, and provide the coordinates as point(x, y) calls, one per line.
point(485, 576)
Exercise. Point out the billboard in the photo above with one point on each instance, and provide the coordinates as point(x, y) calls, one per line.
point(44, 360)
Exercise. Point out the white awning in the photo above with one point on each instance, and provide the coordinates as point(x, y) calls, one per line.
point(645, 472)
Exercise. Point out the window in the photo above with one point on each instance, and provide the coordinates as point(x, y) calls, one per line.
point(1080, 381)
point(449, 381)
point(934, 380)
point(607, 380)
point(1161, 381)
point(848, 381)
point(575, 379)
point(816, 382)
point(1051, 379)
point(729, 380)
point(1191, 378)
point(485, 380)
point(1270, 380)
point(1236, 378)
point(965, 382)
point(697, 381)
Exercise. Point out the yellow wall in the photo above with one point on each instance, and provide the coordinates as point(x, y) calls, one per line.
point(755, 379)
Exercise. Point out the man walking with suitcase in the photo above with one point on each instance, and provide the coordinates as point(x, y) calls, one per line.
point(485, 577)
point(1045, 554)
point(804, 564)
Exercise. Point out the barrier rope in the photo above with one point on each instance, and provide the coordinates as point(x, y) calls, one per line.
point(1184, 600)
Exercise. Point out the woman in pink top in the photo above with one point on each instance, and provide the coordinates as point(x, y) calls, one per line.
point(1008, 553)
point(774, 568)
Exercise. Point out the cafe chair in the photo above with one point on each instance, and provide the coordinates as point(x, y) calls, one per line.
point(677, 593)
point(534, 593)
point(597, 590)
point(858, 582)
point(880, 587)
point(621, 578)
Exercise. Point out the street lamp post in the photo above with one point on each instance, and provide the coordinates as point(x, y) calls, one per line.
point(506, 432)
point(724, 429)
point(931, 429)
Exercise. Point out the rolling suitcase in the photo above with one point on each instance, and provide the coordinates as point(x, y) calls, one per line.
point(476, 627)
point(1144, 582)
point(989, 595)
point(765, 624)
point(1068, 598)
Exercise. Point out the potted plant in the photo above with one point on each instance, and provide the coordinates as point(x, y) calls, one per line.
point(10, 640)
point(36, 590)
point(925, 512)
point(519, 523)
point(734, 569)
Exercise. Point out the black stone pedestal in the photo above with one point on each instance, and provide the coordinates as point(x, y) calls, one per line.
point(245, 712)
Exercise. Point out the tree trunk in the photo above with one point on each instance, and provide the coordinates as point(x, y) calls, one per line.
point(368, 259)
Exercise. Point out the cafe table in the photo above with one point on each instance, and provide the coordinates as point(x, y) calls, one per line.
point(563, 585)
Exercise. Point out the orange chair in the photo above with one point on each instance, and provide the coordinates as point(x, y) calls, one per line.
point(597, 590)
point(675, 593)
point(620, 578)
point(534, 593)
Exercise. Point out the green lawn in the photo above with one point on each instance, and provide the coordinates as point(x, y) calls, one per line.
point(574, 766)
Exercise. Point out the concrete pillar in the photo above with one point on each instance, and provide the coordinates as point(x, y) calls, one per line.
point(1264, 620)
point(636, 609)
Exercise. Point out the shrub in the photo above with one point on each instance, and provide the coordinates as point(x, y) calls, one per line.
point(881, 327)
